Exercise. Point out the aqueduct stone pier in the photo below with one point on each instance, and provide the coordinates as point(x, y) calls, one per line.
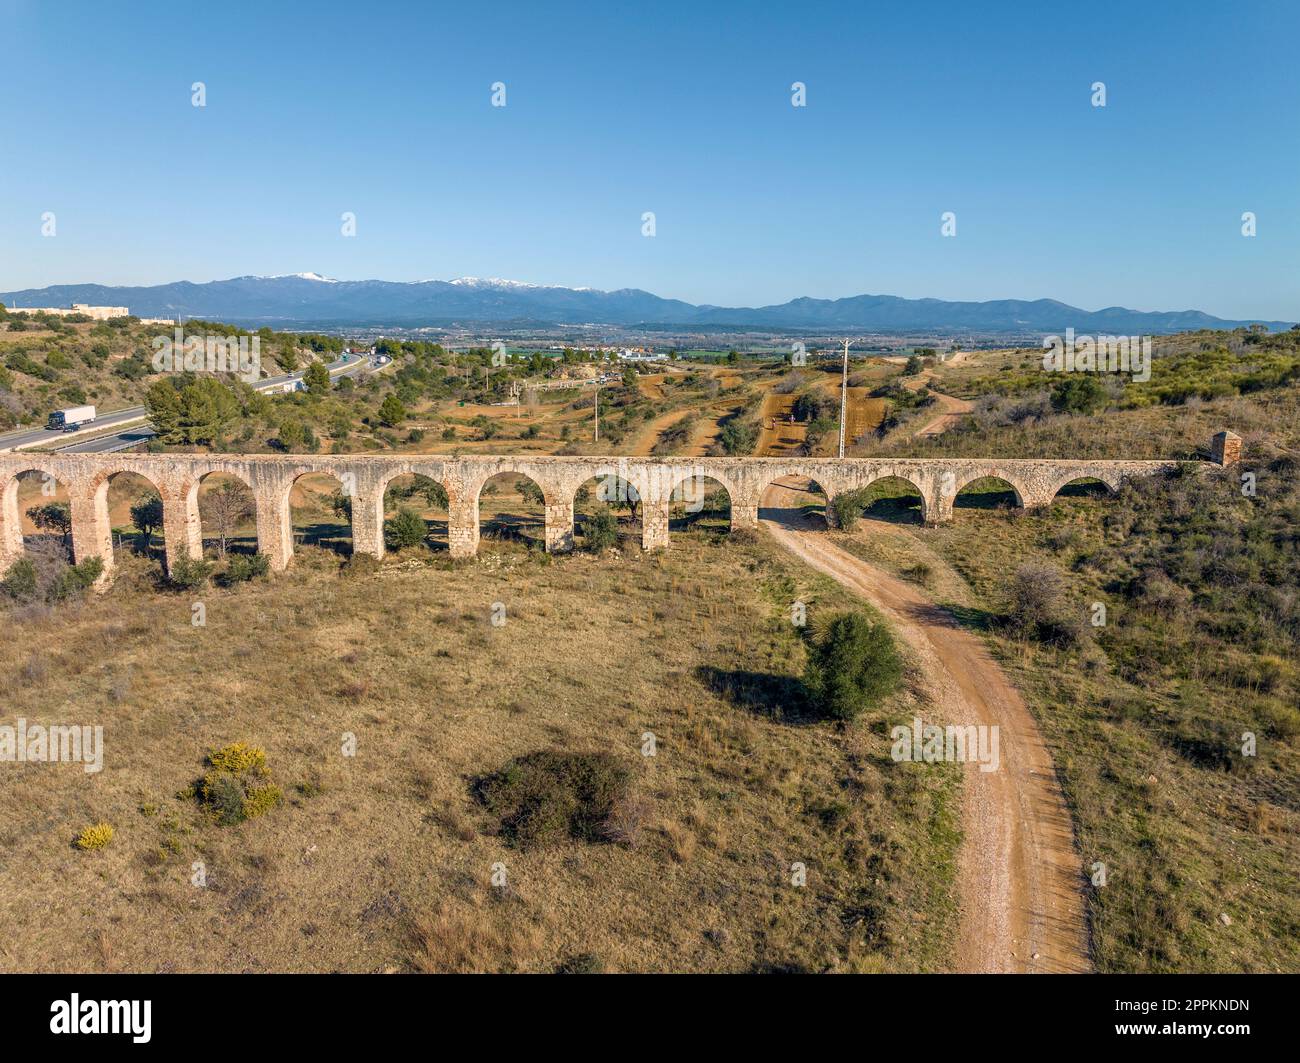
point(656, 481)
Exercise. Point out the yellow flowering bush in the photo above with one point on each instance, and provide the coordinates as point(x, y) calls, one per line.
point(236, 787)
point(95, 837)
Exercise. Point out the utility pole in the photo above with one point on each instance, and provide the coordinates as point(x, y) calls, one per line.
point(597, 413)
point(844, 394)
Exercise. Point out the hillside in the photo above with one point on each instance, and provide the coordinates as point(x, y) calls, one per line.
point(47, 362)
point(1174, 720)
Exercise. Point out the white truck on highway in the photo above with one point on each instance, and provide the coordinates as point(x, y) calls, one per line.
point(71, 419)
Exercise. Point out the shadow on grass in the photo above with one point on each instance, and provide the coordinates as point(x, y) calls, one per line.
point(985, 500)
point(439, 533)
point(151, 549)
point(235, 544)
point(969, 617)
point(1084, 489)
point(715, 522)
point(779, 697)
point(781, 968)
point(526, 528)
point(327, 536)
point(905, 509)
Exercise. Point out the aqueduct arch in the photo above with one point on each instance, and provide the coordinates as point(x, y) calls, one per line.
point(192, 494)
point(1111, 486)
point(11, 512)
point(692, 489)
point(1016, 489)
point(365, 477)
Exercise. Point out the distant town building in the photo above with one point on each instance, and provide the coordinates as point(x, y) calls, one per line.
point(641, 356)
point(95, 313)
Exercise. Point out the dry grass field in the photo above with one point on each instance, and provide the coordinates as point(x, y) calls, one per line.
point(385, 860)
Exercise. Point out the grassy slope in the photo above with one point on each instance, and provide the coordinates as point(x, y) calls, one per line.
point(383, 860)
point(92, 352)
point(1146, 717)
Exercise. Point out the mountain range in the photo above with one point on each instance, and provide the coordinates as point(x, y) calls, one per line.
point(310, 300)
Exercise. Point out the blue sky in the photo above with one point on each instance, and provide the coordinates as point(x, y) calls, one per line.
point(914, 109)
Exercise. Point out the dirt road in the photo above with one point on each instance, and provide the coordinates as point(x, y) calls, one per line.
point(950, 409)
point(778, 434)
point(1020, 878)
point(648, 436)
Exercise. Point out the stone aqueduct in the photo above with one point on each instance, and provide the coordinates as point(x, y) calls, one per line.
point(271, 478)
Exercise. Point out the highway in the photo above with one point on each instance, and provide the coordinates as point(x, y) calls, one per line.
point(132, 422)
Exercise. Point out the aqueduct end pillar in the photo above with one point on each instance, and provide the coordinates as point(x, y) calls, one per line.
point(1225, 448)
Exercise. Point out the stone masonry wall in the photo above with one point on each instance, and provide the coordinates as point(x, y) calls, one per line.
point(364, 478)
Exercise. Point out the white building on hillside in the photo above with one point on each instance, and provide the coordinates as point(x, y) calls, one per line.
point(95, 313)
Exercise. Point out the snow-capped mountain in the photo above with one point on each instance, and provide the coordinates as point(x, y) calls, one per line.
point(310, 299)
point(490, 282)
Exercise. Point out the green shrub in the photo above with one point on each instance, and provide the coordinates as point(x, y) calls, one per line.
point(391, 411)
point(600, 531)
point(738, 437)
point(76, 579)
point(812, 405)
point(407, 528)
point(435, 495)
point(20, 582)
point(547, 797)
point(224, 796)
point(852, 667)
point(261, 800)
point(189, 573)
point(240, 568)
point(52, 581)
point(239, 757)
point(847, 507)
point(1078, 393)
